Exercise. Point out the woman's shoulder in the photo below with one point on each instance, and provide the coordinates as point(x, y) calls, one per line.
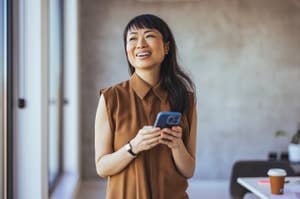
point(117, 88)
point(115, 94)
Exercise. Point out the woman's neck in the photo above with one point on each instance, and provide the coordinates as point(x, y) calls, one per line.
point(149, 76)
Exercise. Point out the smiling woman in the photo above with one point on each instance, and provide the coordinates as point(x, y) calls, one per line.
point(146, 49)
point(142, 161)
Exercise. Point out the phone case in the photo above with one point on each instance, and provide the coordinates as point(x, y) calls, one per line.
point(167, 119)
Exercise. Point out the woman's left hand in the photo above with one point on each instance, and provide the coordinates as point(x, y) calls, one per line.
point(172, 137)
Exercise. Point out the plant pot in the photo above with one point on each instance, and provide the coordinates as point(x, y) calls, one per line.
point(294, 152)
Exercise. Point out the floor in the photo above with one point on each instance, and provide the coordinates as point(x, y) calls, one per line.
point(95, 189)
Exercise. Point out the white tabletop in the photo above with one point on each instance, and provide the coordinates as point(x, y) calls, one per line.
point(263, 190)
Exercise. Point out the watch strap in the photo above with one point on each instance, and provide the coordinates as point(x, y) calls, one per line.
point(130, 150)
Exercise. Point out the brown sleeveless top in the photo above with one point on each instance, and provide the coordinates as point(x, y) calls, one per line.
point(152, 174)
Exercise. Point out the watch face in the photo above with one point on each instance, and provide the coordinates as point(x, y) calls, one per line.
point(127, 147)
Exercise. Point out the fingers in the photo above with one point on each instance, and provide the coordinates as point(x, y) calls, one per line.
point(152, 142)
point(177, 134)
point(168, 136)
point(147, 144)
point(166, 142)
point(170, 144)
point(177, 129)
point(146, 138)
point(171, 137)
point(152, 135)
point(149, 136)
point(149, 130)
point(147, 127)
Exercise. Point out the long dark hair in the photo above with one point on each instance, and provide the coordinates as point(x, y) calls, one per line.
point(173, 79)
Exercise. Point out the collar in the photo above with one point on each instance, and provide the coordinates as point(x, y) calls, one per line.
point(142, 88)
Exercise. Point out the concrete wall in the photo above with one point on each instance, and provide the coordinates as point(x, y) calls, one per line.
point(242, 54)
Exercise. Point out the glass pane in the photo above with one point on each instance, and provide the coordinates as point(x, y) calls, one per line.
point(2, 90)
point(54, 82)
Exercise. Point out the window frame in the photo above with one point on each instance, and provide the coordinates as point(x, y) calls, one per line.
point(54, 183)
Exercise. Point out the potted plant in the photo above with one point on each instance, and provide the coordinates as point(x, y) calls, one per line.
point(294, 147)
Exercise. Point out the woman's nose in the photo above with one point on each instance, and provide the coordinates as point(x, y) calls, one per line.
point(141, 43)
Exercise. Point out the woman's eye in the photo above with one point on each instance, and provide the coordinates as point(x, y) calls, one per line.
point(132, 39)
point(150, 36)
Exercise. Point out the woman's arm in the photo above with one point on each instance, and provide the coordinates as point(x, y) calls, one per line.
point(184, 156)
point(109, 162)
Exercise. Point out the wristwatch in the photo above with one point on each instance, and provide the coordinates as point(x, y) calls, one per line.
point(128, 148)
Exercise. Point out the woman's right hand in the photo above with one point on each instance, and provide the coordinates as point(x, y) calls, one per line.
point(147, 138)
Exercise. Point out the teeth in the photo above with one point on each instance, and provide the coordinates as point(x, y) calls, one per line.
point(143, 54)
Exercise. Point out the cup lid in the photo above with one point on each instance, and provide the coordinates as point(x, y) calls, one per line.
point(276, 172)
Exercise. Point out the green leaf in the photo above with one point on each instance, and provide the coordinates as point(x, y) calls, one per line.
point(280, 133)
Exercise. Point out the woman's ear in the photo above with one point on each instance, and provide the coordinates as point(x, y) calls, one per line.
point(167, 47)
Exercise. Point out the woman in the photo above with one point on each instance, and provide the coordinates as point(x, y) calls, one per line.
point(139, 160)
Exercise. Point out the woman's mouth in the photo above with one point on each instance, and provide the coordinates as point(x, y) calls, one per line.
point(143, 55)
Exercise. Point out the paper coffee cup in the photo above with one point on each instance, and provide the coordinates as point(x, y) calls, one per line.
point(277, 177)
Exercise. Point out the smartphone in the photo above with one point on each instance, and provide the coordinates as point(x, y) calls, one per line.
point(167, 119)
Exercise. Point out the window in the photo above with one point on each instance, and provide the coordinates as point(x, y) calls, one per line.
point(5, 100)
point(2, 94)
point(55, 93)
point(4, 81)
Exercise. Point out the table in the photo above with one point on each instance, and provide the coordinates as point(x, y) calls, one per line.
point(263, 190)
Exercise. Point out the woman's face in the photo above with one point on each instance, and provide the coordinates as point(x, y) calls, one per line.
point(145, 48)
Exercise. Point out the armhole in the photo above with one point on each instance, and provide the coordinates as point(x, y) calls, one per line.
point(189, 116)
point(108, 108)
point(192, 109)
point(192, 106)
